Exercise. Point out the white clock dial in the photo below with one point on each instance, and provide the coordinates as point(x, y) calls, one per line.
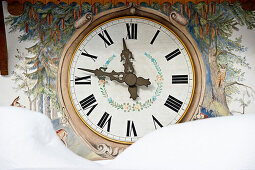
point(105, 106)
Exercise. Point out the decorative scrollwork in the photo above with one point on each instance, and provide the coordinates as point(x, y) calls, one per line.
point(87, 18)
point(197, 115)
point(180, 19)
point(107, 151)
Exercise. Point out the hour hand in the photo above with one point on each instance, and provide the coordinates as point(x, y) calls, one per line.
point(101, 74)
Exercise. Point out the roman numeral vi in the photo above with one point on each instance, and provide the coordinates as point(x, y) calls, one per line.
point(130, 128)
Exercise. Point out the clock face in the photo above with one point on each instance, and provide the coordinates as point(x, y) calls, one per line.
point(156, 53)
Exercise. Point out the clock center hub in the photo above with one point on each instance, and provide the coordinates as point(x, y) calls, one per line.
point(130, 79)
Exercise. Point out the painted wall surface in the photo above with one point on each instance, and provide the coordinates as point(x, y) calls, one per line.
point(225, 35)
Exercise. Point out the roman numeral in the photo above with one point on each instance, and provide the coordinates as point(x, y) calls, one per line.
point(173, 103)
point(89, 103)
point(172, 54)
point(93, 57)
point(179, 79)
point(79, 80)
point(107, 40)
point(130, 128)
point(155, 121)
point(105, 119)
point(155, 36)
point(131, 31)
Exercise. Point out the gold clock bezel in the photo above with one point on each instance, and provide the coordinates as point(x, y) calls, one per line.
point(96, 141)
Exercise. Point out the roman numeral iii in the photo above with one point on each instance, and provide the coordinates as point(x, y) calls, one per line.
point(173, 54)
point(131, 30)
point(173, 103)
point(106, 38)
point(130, 129)
point(105, 119)
point(89, 103)
point(179, 79)
point(82, 80)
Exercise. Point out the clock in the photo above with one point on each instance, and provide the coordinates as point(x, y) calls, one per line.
point(127, 72)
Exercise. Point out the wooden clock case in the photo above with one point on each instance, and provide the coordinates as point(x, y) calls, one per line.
point(101, 146)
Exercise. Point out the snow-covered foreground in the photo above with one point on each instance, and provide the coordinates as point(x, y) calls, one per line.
point(28, 140)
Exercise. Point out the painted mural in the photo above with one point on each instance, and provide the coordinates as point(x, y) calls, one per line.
point(51, 26)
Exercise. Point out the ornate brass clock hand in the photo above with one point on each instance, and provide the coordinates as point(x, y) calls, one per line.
point(133, 92)
point(117, 76)
point(126, 56)
point(142, 82)
point(131, 80)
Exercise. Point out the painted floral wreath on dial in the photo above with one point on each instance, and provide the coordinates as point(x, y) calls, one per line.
point(135, 106)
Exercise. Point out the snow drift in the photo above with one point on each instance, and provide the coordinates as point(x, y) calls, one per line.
point(28, 140)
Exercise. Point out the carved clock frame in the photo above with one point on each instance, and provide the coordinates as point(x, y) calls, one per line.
point(101, 146)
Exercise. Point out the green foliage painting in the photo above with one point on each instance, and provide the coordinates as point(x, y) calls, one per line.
point(212, 25)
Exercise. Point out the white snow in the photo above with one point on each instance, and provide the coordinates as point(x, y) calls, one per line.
point(28, 140)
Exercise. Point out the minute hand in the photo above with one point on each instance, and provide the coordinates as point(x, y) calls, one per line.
point(126, 56)
point(117, 76)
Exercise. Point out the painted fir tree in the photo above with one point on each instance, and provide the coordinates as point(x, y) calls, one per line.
point(212, 25)
point(22, 82)
point(49, 27)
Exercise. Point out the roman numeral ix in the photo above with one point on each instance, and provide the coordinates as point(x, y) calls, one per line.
point(105, 119)
point(107, 39)
point(89, 103)
point(173, 103)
